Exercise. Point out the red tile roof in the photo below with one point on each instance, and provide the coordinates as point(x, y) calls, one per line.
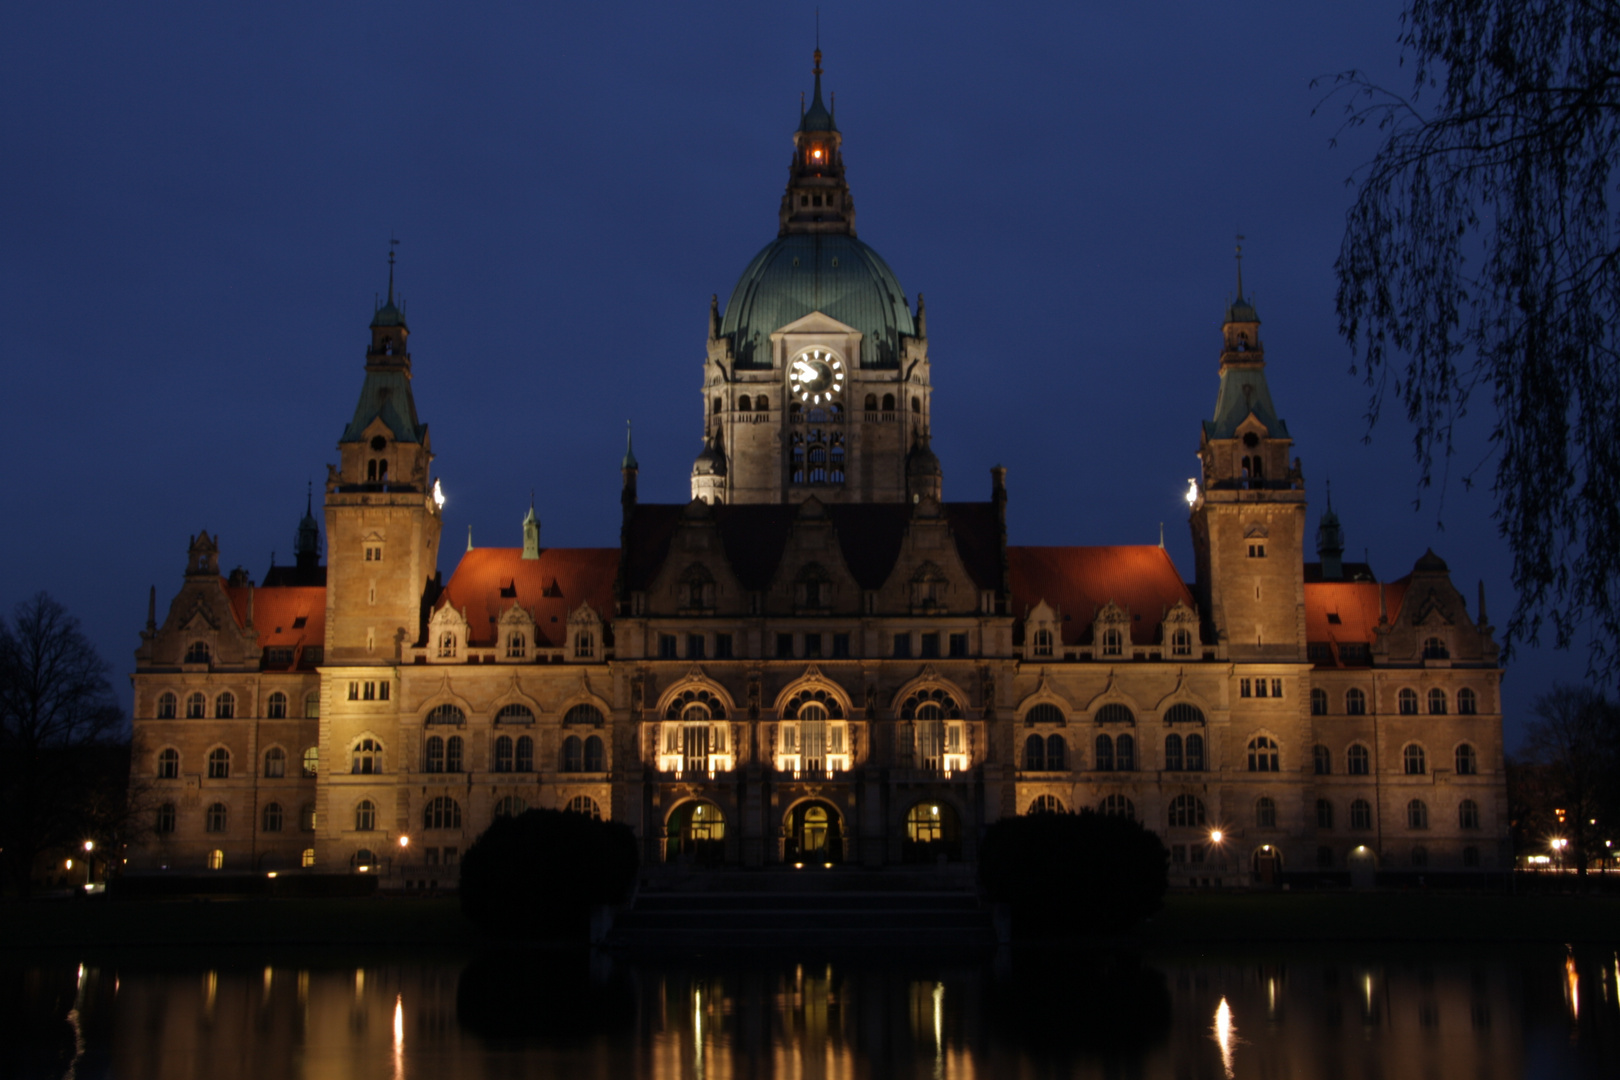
point(1355, 603)
point(1078, 581)
point(277, 612)
point(487, 581)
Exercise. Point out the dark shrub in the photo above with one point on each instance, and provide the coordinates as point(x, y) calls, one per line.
point(1085, 873)
point(539, 874)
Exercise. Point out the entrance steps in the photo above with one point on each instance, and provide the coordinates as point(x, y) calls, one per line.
point(810, 908)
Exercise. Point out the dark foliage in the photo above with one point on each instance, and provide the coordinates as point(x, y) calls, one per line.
point(1571, 763)
point(64, 758)
point(568, 997)
point(1086, 873)
point(1481, 259)
point(540, 873)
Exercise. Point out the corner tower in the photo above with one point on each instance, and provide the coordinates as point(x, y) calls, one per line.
point(1248, 518)
point(382, 508)
point(816, 380)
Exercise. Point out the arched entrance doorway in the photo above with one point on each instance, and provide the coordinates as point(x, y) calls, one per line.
point(1267, 865)
point(696, 833)
point(933, 831)
point(815, 834)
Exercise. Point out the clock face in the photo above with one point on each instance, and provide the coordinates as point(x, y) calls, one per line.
point(816, 376)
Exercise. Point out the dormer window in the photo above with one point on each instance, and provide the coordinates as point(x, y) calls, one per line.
point(517, 646)
point(447, 645)
point(1435, 649)
point(373, 553)
point(1043, 643)
point(1181, 643)
point(197, 652)
point(584, 645)
point(1113, 642)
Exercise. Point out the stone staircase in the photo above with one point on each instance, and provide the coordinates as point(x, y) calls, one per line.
point(838, 908)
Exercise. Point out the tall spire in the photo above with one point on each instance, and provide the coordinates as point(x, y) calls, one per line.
point(1330, 541)
point(531, 532)
point(392, 244)
point(817, 198)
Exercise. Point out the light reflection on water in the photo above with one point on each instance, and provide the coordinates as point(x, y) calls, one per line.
point(1394, 1014)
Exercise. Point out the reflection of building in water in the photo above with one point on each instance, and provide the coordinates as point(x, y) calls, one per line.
point(819, 658)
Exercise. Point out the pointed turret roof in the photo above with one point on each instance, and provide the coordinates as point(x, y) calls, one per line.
point(817, 117)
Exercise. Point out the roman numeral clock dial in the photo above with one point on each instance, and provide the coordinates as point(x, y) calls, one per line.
point(816, 376)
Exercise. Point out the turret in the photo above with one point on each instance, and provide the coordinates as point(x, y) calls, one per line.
point(531, 533)
point(925, 479)
point(307, 541)
point(817, 198)
point(1330, 542)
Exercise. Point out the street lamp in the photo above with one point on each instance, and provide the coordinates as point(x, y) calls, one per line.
point(89, 862)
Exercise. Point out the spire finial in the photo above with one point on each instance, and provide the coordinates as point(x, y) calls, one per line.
point(392, 244)
point(309, 498)
point(629, 462)
point(1240, 265)
point(1330, 494)
point(469, 538)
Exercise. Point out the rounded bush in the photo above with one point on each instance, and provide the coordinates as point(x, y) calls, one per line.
point(539, 874)
point(1074, 874)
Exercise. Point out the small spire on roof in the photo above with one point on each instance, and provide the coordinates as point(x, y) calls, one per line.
point(469, 538)
point(392, 244)
point(1240, 265)
point(629, 449)
point(1161, 536)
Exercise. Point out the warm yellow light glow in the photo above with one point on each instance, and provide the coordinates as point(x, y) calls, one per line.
point(1215, 836)
point(1192, 491)
point(1573, 983)
point(798, 866)
point(1225, 1034)
point(362, 869)
point(404, 841)
point(89, 845)
point(70, 864)
point(271, 874)
point(438, 495)
point(827, 865)
point(399, 1037)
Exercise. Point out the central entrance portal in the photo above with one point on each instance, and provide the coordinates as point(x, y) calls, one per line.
point(697, 833)
point(815, 834)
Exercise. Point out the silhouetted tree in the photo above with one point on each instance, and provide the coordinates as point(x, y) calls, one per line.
point(539, 874)
point(1481, 258)
point(59, 730)
point(1569, 766)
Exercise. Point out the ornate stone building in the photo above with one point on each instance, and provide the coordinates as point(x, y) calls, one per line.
point(819, 659)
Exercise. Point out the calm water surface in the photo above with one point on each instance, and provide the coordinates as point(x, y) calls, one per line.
point(323, 1015)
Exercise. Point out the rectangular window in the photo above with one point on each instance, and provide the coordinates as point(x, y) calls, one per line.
point(694, 646)
point(368, 692)
point(1319, 652)
point(840, 647)
point(722, 646)
point(1257, 551)
point(930, 645)
point(666, 647)
point(373, 553)
point(1358, 654)
point(354, 691)
point(902, 646)
point(1259, 688)
point(812, 645)
point(1244, 688)
point(784, 645)
point(1276, 688)
point(279, 655)
point(382, 691)
point(959, 644)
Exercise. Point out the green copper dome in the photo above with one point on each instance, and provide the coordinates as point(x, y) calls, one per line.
point(833, 273)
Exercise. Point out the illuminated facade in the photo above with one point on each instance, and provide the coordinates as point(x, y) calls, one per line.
point(819, 659)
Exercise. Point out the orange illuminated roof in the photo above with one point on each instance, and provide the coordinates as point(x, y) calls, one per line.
point(1344, 611)
point(284, 616)
point(1079, 581)
point(487, 581)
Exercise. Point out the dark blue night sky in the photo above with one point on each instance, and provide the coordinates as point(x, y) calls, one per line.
point(198, 200)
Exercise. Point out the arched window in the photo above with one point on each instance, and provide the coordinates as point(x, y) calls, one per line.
point(452, 754)
point(365, 816)
point(1184, 713)
point(197, 652)
point(916, 403)
point(1355, 702)
point(1195, 753)
point(1181, 642)
point(307, 858)
point(593, 754)
point(275, 763)
point(503, 754)
point(272, 817)
point(762, 404)
point(367, 757)
point(1322, 758)
point(1318, 702)
point(275, 707)
point(447, 644)
point(217, 818)
point(583, 714)
point(744, 404)
point(1265, 813)
point(225, 706)
point(1417, 814)
point(1324, 814)
point(1415, 761)
point(573, 754)
point(365, 858)
point(216, 859)
point(219, 763)
point(510, 806)
point(196, 706)
point(1467, 702)
point(433, 754)
point(1435, 649)
point(1113, 642)
point(1408, 700)
point(1263, 756)
point(311, 763)
point(167, 705)
point(168, 764)
point(1115, 713)
point(1361, 814)
point(312, 705)
point(1357, 761)
point(163, 820)
point(1046, 804)
point(888, 403)
point(514, 714)
point(1105, 753)
point(525, 754)
point(1034, 754)
point(1172, 752)
point(871, 403)
point(1057, 753)
point(1468, 814)
point(584, 804)
point(1467, 760)
point(517, 646)
point(1045, 713)
point(1043, 643)
point(1125, 754)
point(1186, 812)
point(1118, 806)
point(442, 812)
point(447, 714)
point(1437, 701)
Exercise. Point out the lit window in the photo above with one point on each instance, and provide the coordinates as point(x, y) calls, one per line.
point(307, 859)
point(216, 860)
point(311, 762)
